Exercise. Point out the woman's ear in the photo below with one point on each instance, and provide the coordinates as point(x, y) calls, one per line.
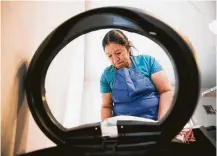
point(129, 45)
point(129, 50)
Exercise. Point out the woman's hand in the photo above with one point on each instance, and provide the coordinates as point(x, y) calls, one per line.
point(106, 110)
point(122, 65)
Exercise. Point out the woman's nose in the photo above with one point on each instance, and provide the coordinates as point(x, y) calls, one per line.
point(116, 59)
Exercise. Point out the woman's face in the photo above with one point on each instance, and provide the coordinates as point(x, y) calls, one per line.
point(118, 55)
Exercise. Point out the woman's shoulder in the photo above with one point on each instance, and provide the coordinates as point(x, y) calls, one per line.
point(109, 69)
point(143, 58)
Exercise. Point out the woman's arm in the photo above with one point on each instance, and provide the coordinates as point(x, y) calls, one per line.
point(165, 90)
point(163, 86)
point(106, 110)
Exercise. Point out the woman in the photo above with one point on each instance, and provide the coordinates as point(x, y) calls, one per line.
point(132, 85)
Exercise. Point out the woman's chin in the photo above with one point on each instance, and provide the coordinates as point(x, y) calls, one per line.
point(120, 66)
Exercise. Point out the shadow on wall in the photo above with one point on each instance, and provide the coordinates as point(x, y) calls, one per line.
point(15, 116)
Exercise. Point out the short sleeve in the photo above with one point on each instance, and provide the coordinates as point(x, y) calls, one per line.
point(104, 85)
point(154, 65)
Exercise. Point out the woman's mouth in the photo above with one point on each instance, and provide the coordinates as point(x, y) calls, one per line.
point(120, 65)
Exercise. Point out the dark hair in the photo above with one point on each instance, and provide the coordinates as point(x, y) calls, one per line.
point(118, 37)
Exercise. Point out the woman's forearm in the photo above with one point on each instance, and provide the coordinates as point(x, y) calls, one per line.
point(166, 99)
point(106, 113)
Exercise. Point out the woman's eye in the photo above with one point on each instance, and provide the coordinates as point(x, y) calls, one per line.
point(119, 52)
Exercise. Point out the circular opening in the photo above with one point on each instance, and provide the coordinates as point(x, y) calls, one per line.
point(127, 19)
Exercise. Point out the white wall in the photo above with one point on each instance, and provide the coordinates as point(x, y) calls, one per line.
point(52, 14)
point(75, 83)
point(16, 48)
point(24, 27)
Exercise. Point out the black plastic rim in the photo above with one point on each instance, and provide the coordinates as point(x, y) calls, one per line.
point(129, 19)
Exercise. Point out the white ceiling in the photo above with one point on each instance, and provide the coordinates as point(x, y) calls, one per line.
point(191, 18)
